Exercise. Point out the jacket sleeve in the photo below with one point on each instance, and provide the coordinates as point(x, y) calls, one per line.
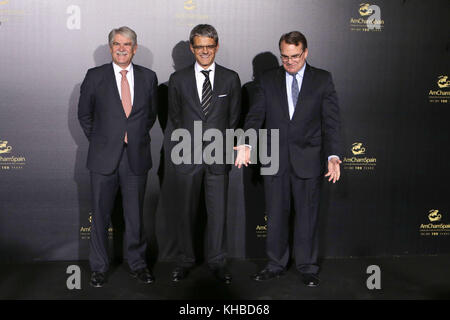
point(153, 103)
point(86, 105)
point(174, 103)
point(330, 119)
point(235, 107)
point(257, 110)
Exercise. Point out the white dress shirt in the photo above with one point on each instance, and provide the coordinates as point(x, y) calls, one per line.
point(200, 77)
point(130, 78)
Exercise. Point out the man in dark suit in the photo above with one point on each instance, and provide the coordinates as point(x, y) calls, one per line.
point(116, 110)
point(209, 95)
point(300, 101)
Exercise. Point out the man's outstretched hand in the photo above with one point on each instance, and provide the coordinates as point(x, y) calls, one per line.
point(243, 156)
point(334, 170)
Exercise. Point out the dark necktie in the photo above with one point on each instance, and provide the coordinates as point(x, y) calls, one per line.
point(294, 90)
point(206, 92)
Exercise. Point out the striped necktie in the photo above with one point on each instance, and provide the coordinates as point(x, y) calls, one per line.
point(206, 92)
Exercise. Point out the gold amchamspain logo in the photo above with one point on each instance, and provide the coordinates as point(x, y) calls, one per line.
point(189, 5)
point(357, 160)
point(443, 82)
point(434, 227)
point(357, 148)
point(434, 215)
point(364, 9)
point(440, 95)
point(9, 161)
point(4, 148)
point(369, 19)
point(85, 231)
point(188, 17)
point(261, 230)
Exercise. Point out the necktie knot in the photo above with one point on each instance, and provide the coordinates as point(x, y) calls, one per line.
point(123, 73)
point(206, 73)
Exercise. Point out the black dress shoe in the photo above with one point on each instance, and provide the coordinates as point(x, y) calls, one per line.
point(222, 274)
point(98, 279)
point(180, 273)
point(143, 275)
point(310, 279)
point(267, 274)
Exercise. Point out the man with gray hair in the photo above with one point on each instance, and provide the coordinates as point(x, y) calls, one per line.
point(116, 110)
point(208, 94)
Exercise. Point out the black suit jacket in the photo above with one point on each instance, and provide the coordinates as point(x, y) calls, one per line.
point(185, 108)
point(312, 135)
point(104, 122)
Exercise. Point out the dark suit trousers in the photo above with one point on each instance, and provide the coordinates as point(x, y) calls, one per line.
point(187, 198)
point(305, 194)
point(104, 191)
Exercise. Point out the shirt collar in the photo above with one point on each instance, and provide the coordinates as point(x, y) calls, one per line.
point(199, 68)
point(117, 68)
point(300, 72)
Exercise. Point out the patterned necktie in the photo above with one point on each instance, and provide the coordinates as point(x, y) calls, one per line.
point(126, 97)
point(294, 90)
point(206, 92)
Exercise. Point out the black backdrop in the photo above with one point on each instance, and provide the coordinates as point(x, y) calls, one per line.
point(392, 86)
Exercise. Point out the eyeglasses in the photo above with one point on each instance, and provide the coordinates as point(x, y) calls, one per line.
point(210, 47)
point(295, 57)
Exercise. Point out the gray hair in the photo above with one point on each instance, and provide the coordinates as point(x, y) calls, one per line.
point(124, 31)
point(204, 30)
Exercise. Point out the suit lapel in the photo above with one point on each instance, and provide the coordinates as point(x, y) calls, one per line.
point(113, 87)
point(192, 88)
point(307, 85)
point(218, 82)
point(138, 88)
point(281, 83)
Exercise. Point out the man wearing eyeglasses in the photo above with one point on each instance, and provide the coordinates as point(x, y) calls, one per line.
point(300, 101)
point(207, 94)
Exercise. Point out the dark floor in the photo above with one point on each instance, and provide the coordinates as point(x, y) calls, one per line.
point(408, 277)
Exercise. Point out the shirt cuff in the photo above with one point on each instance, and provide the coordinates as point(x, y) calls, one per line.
point(333, 156)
